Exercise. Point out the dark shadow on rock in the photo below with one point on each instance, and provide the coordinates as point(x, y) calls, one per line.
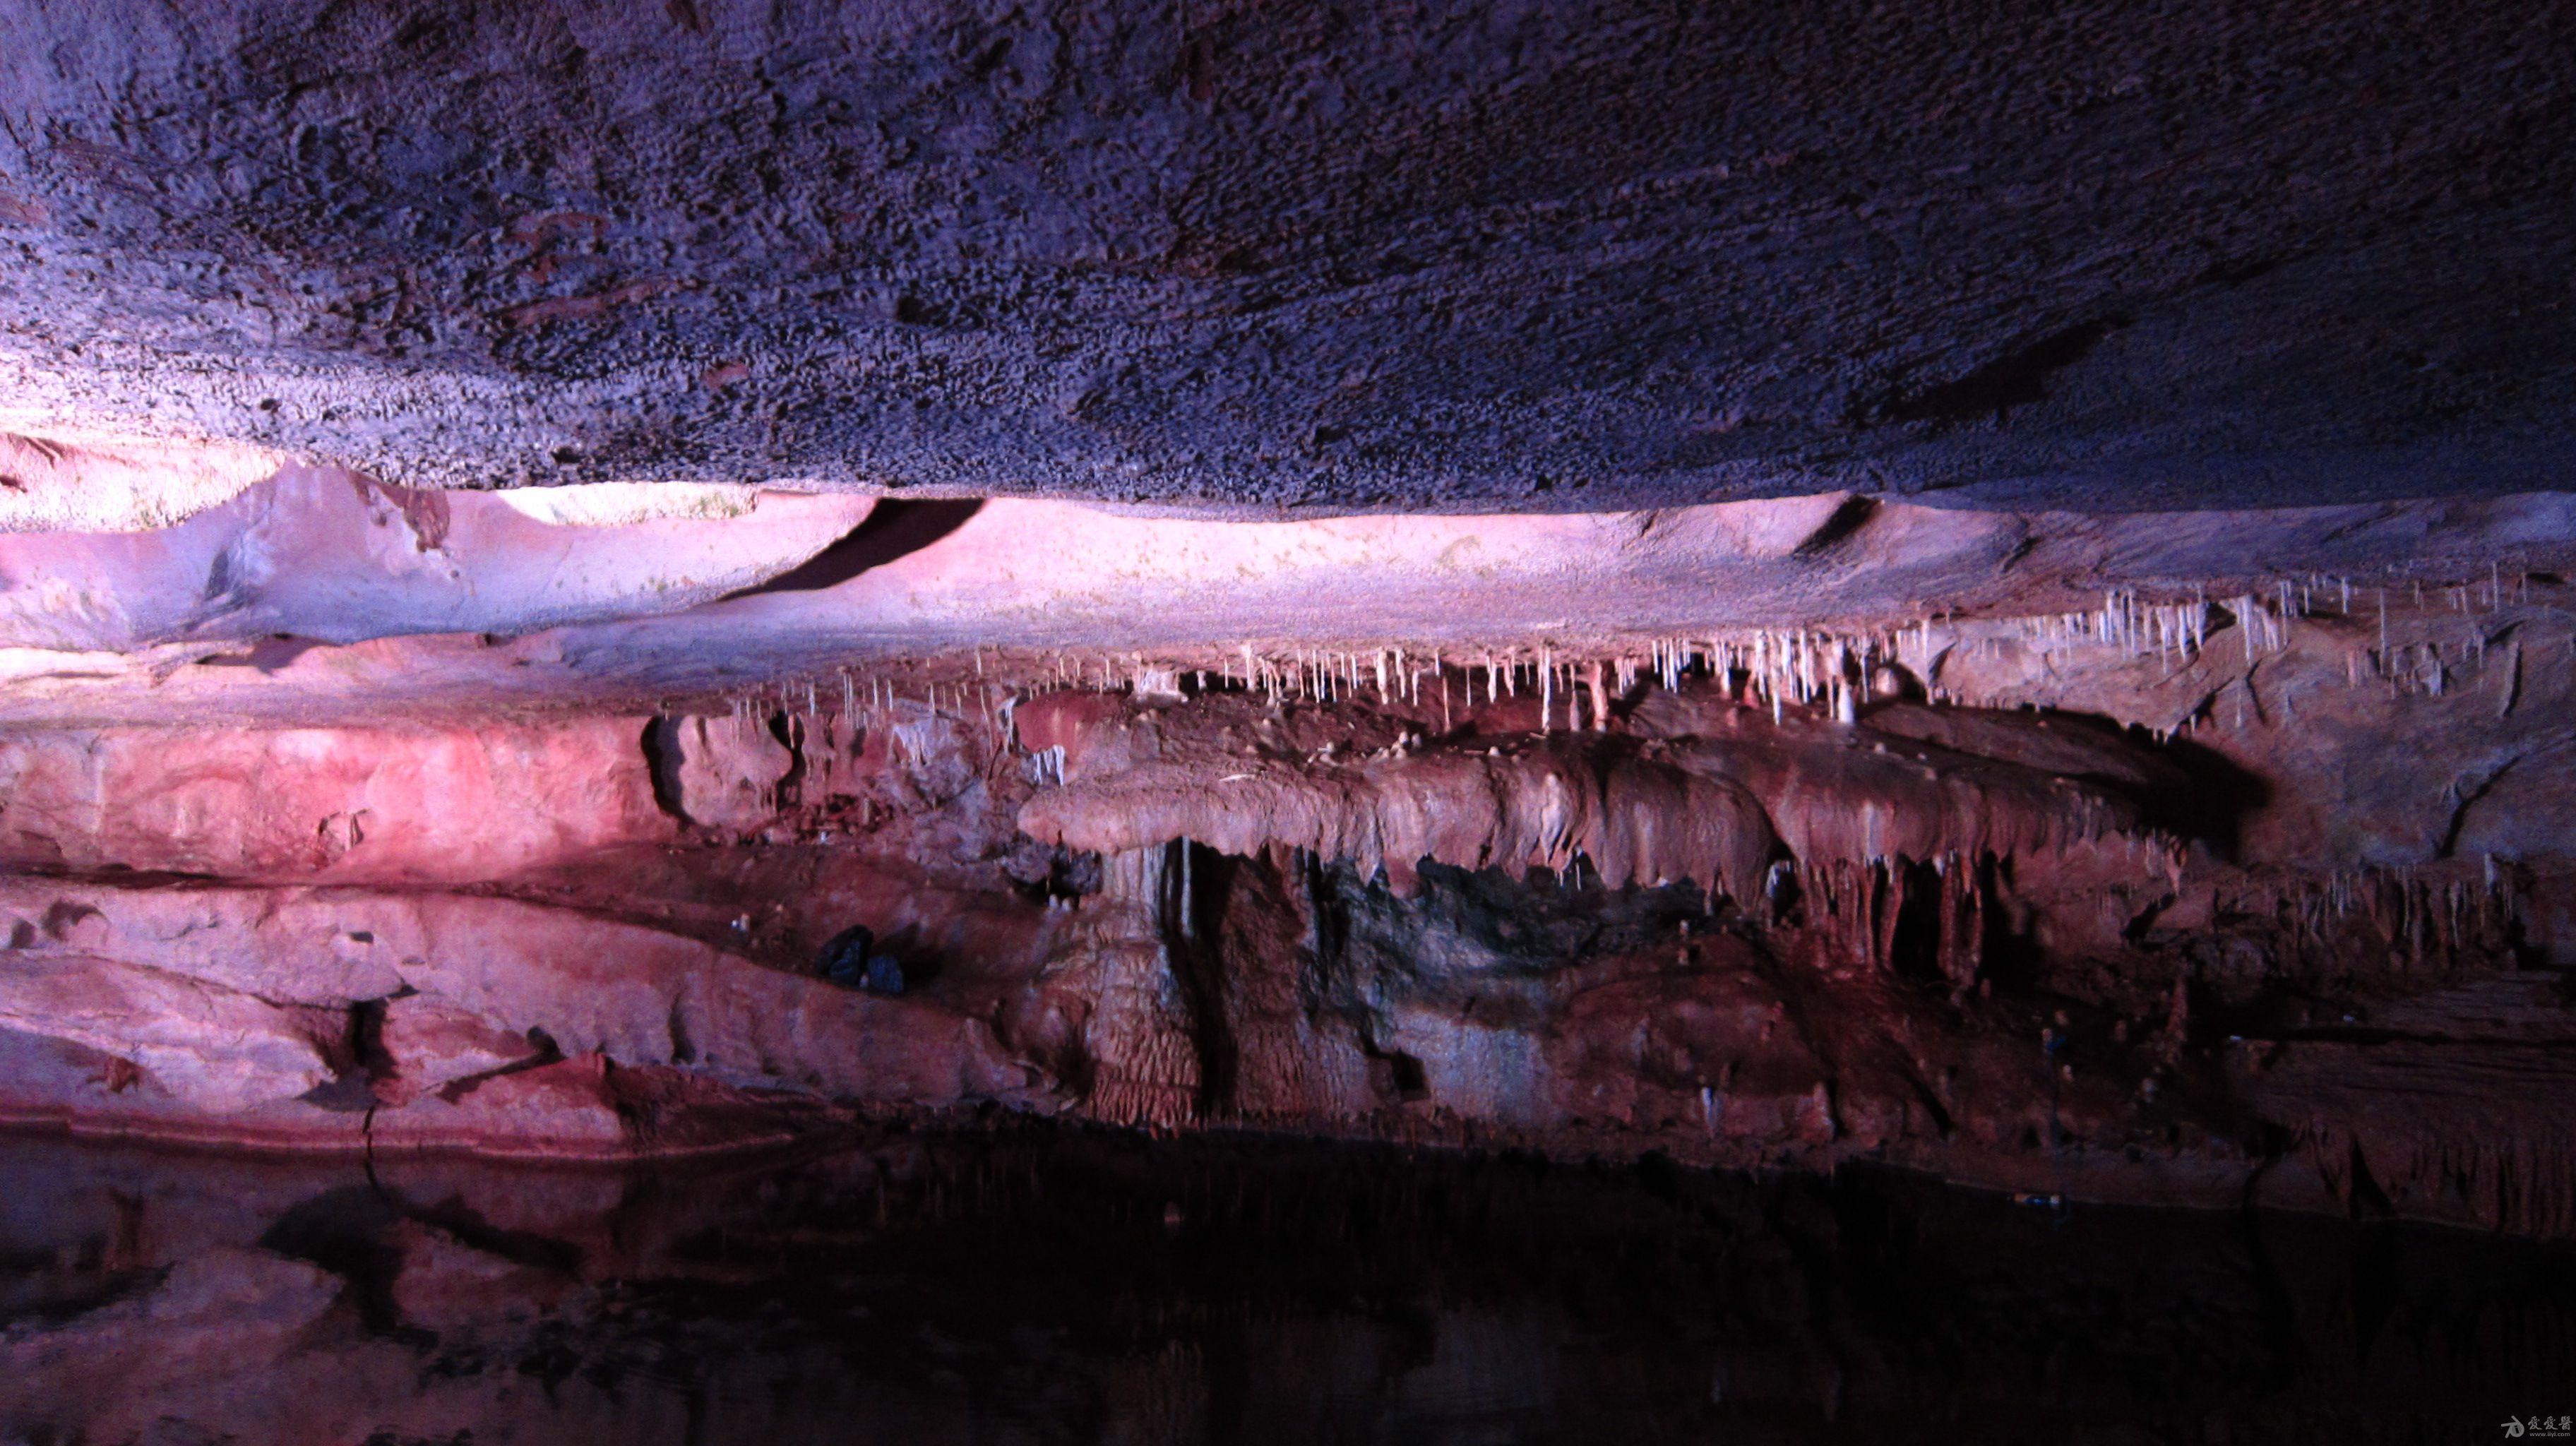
point(892, 529)
point(2203, 795)
point(1849, 518)
point(2214, 808)
point(269, 655)
point(346, 1231)
point(2016, 379)
point(662, 763)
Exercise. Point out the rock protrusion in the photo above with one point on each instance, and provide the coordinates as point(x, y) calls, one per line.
point(719, 772)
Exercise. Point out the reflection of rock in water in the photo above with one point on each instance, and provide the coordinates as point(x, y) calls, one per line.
point(1033, 1287)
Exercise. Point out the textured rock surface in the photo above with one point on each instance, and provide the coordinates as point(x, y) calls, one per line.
point(1757, 899)
point(2107, 255)
point(963, 595)
point(720, 772)
point(373, 804)
point(313, 554)
point(212, 1048)
point(429, 1043)
point(1712, 801)
point(583, 983)
point(1961, 588)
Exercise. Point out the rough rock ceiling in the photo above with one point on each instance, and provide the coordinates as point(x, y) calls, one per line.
point(2098, 256)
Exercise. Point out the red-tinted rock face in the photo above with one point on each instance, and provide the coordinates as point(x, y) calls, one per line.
point(1713, 801)
point(2046, 662)
point(429, 1043)
point(721, 772)
point(376, 805)
point(1721, 903)
point(211, 1048)
point(2021, 947)
point(457, 979)
point(2139, 900)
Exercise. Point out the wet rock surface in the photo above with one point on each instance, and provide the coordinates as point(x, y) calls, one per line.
point(1068, 1286)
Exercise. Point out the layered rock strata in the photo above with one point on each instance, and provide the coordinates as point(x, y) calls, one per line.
point(2135, 903)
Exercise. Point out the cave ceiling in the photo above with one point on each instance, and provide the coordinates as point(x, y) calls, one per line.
point(1233, 258)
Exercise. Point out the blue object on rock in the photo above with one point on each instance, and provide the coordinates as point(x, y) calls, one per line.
point(884, 976)
point(845, 959)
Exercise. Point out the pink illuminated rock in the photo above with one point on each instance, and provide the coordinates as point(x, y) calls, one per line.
point(1996, 826)
point(1709, 803)
point(722, 772)
point(638, 994)
point(329, 948)
point(215, 1048)
point(590, 1107)
point(1053, 580)
point(360, 804)
point(326, 555)
point(565, 1108)
point(78, 484)
point(432, 1043)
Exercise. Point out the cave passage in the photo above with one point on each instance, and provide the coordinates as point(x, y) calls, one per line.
point(1189, 722)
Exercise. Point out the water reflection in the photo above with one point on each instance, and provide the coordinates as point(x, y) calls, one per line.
point(1047, 1286)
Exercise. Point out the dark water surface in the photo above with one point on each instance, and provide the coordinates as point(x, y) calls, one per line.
point(1064, 1286)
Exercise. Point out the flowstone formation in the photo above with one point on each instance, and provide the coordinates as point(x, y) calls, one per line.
point(1777, 835)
